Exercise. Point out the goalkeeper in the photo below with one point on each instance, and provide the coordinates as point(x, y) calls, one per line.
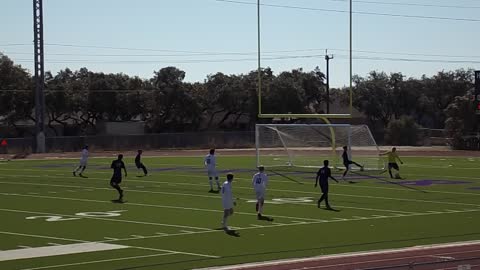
point(392, 162)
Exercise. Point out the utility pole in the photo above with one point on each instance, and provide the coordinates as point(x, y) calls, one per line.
point(39, 141)
point(328, 58)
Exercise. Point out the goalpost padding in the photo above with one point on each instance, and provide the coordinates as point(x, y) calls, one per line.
point(307, 145)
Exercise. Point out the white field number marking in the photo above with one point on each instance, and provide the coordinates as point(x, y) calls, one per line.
point(49, 218)
point(286, 200)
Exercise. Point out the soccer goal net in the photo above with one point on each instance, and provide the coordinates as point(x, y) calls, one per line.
point(307, 145)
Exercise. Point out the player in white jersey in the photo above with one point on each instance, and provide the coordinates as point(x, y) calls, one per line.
point(83, 162)
point(210, 163)
point(227, 200)
point(260, 182)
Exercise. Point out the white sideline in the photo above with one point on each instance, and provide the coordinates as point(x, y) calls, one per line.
point(28, 253)
point(338, 256)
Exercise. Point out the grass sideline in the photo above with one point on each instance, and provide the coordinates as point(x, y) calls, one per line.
point(170, 221)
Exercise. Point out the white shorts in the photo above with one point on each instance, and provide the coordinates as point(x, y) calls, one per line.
point(227, 205)
point(260, 194)
point(83, 163)
point(212, 173)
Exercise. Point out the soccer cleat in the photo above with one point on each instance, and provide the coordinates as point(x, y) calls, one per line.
point(259, 216)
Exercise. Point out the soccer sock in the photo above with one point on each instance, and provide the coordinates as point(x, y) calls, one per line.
point(144, 169)
point(321, 198)
point(256, 207)
point(224, 221)
point(326, 201)
point(390, 172)
point(211, 183)
point(260, 208)
point(83, 169)
point(218, 184)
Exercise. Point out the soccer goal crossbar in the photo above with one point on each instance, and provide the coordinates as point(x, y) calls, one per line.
point(307, 145)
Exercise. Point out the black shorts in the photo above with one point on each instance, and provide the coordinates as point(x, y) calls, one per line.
point(324, 188)
point(347, 164)
point(116, 180)
point(393, 165)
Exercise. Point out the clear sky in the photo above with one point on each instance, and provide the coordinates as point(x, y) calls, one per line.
point(203, 37)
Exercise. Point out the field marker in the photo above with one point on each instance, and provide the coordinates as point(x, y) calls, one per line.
point(339, 219)
point(24, 246)
point(186, 231)
point(37, 252)
point(177, 252)
point(54, 244)
point(52, 192)
point(137, 236)
point(378, 216)
point(256, 225)
point(159, 233)
point(357, 217)
point(216, 197)
point(111, 238)
point(138, 204)
point(108, 219)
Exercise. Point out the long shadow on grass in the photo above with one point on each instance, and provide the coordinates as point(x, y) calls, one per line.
point(296, 250)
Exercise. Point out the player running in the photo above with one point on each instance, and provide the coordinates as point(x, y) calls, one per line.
point(322, 178)
point(227, 200)
point(392, 162)
point(139, 164)
point(210, 163)
point(260, 182)
point(117, 166)
point(347, 162)
point(83, 162)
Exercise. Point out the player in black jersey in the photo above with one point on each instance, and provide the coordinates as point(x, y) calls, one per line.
point(322, 178)
point(347, 162)
point(139, 164)
point(117, 166)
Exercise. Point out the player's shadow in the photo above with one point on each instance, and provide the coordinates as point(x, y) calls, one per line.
point(331, 209)
point(83, 176)
point(232, 233)
point(265, 218)
point(229, 232)
point(214, 191)
point(117, 201)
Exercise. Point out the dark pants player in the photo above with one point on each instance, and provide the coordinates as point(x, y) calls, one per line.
point(117, 166)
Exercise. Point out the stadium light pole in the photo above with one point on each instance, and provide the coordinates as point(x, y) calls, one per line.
point(259, 71)
point(39, 141)
point(351, 61)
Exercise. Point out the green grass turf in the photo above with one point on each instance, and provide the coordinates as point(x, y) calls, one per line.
point(169, 220)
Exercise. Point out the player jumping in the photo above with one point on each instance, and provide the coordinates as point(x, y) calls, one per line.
point(322, 178)
point(347, 162)
point(259, 182)
point(139, 164)
point(83, 162)
point(227, 200)
point(210, 163)
point(392, 162)
point(117, 166)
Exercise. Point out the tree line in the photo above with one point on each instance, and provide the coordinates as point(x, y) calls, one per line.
point(78, 100)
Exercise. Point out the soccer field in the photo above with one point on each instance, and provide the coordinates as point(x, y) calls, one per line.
point(170, 221)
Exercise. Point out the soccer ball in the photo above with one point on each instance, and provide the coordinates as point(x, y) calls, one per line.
point(397, 176)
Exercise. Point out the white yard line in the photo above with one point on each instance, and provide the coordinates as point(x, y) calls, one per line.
point(55, 250)
point(213, 197)
point(107, 219)
point(168, 173)
point(140, 204)
point(275, 225)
